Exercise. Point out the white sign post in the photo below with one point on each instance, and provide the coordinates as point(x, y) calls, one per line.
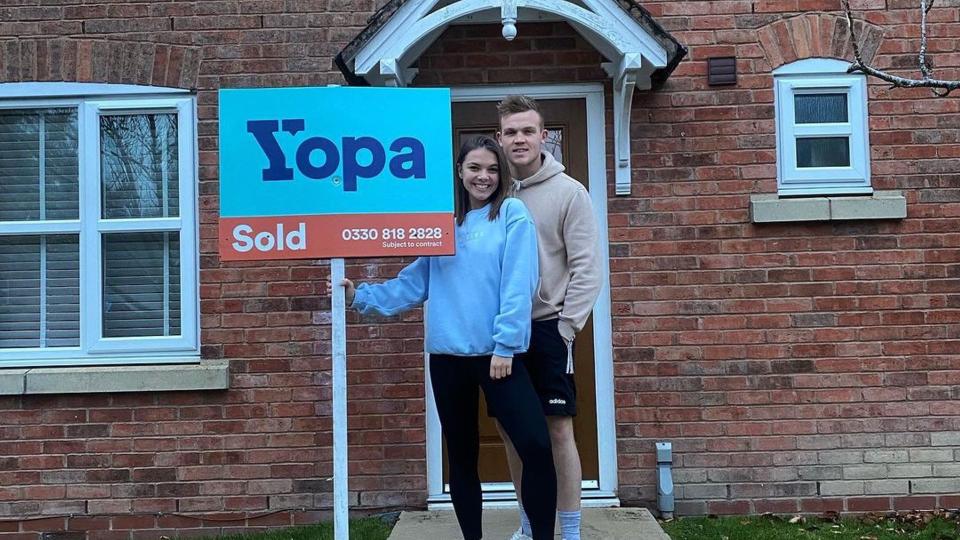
point(341, 515)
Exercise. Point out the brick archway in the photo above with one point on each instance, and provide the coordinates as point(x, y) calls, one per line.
point(813, 35)
point(100, 61)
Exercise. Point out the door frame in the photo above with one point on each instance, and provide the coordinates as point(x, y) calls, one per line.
point(604, 494)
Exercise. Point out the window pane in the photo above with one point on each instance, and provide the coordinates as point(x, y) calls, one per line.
point(19, 291)
point(820, 108)
point(39, 291)
point(554, 143)
point(38, 164)
point(823, 152)
point(63, 291)
point(139, 165)
point(141, 284)
point(61, 173)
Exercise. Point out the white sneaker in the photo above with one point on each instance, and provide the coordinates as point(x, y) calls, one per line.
point(520, 536)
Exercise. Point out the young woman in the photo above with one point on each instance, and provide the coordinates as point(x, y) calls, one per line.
point(479, 318)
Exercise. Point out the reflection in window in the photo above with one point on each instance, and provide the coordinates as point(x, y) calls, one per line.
point(38, 164)
point(139, 165)
point(823, 152)
point(554, 143)
point(820, 108)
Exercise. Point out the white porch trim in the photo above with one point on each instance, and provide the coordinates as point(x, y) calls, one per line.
point(603, 491)
point(386, 59)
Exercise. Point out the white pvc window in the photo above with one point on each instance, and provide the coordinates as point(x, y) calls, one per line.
point(98, 229)
point(822, 130)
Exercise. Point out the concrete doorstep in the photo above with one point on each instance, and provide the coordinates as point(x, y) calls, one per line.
point(598, 524)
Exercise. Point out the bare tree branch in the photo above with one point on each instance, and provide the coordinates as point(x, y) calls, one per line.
point(927, 80)
point(924, 68)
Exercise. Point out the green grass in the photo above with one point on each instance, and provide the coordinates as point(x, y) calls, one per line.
point(360, 529)
point(774, 528)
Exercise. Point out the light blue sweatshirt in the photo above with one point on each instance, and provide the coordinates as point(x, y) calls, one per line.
point(481, 298)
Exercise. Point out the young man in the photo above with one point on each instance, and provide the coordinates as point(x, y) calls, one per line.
point(569, 284)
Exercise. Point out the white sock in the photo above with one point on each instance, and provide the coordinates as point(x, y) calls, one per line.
point(569, 525)
point(524, 521)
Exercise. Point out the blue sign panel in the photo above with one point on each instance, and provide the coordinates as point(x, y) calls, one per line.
point(292, 159)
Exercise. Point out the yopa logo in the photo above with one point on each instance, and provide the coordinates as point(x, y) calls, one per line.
point(319, 158)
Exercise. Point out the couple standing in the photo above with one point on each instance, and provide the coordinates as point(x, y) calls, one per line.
point(491, 326)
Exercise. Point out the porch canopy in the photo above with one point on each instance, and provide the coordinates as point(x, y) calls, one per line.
point(640, 54)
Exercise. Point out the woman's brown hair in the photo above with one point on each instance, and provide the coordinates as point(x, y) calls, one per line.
point(462, 197)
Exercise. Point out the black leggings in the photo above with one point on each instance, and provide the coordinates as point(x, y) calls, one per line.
point(456, 380)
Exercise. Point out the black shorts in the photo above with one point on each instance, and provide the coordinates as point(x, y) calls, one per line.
point(546, 362)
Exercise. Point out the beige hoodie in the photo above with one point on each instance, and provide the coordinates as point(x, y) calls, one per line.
point(567, 242)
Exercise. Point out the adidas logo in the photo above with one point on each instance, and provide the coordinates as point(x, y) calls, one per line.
point(558, 401)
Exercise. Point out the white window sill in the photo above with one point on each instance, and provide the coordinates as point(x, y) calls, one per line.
point(769, 208)
point(206, 375)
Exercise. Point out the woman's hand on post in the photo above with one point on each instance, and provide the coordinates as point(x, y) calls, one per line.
point(500, 367)
point(349, 290)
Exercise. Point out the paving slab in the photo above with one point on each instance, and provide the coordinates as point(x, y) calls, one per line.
point(597, 524)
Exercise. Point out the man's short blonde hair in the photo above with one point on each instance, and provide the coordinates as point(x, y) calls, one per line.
point(517, 104)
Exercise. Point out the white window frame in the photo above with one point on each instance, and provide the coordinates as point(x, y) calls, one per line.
point(821, 76)
point(91, 101)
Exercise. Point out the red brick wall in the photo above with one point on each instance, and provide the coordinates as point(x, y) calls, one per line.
point(155, 463)
point(793, 366)
point(473, 55)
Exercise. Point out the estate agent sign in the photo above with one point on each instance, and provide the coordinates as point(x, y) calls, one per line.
point(332, 173)
point(335, 172)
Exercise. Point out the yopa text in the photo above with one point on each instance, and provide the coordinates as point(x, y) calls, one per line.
point(319, 157)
